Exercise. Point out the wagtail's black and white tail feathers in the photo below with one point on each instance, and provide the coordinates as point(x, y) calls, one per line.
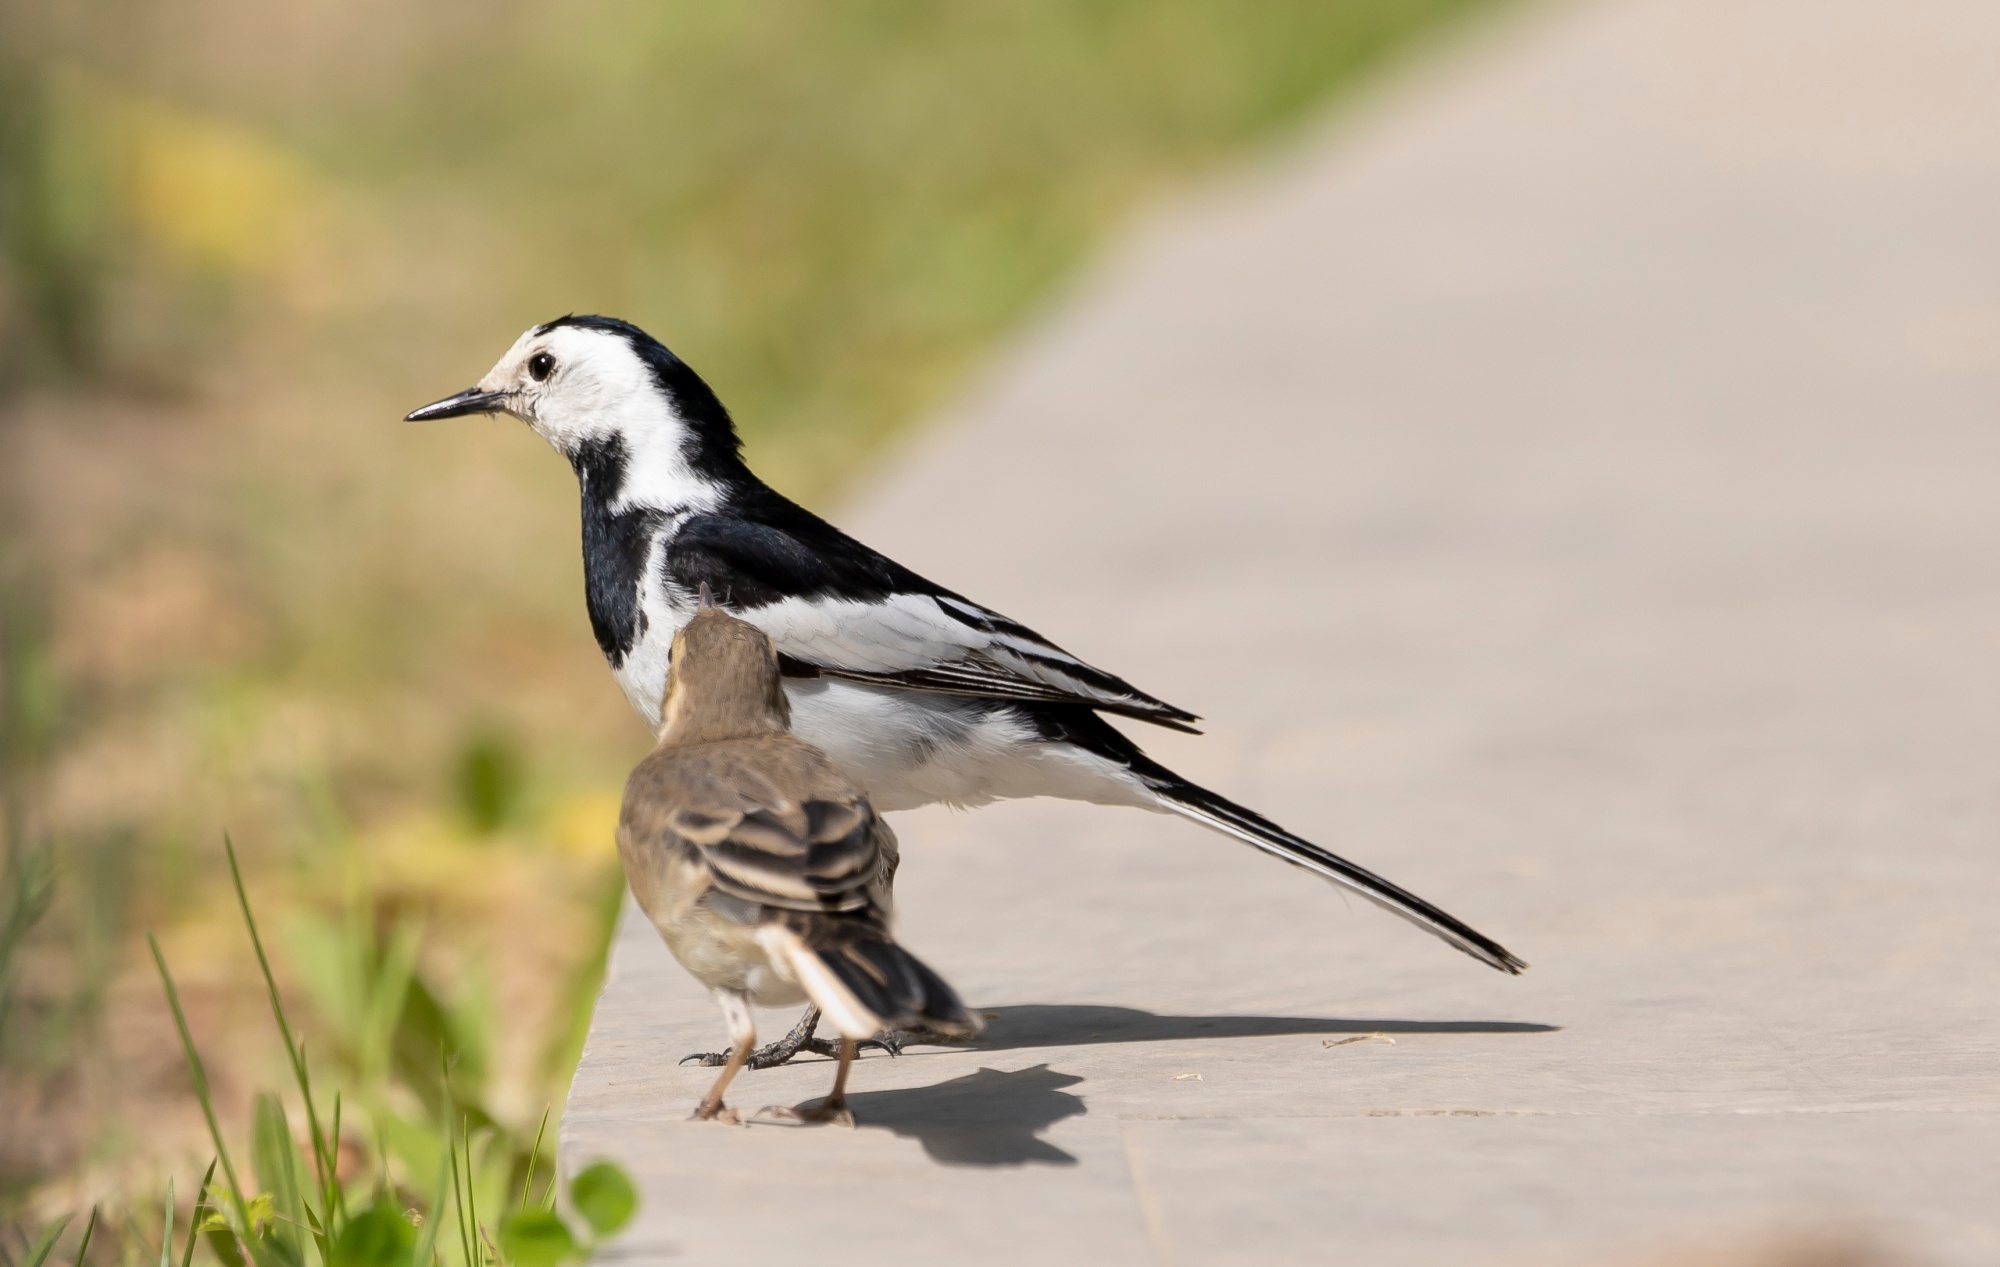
point(1177, 795)
point(1253, 829)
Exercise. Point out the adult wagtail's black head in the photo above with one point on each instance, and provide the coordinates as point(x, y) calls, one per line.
point(588, 383)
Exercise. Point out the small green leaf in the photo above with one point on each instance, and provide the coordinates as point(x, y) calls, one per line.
point(222, 1240)
point(604, 1197)
point(377, 1237)
point(275, 1159)
point(261, 1213)
point(535, 1238)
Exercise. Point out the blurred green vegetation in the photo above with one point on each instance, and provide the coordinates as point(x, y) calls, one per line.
point(830, 209)
point(446, 1184)
point(239, 238)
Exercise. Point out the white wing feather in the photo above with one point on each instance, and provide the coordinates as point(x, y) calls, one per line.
point(891, 635)
point(907, 633)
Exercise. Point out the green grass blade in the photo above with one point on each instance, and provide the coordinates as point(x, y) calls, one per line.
point(459, 1202)
point(451, 1151)
point(324, 1147)
point(323, 1160)
point(275, 1158)
point(534, 1155)
point(195, 1216)
point(200, 1076)
point(427, 1245)
point(336, 1189)
point(38, 1253)
point(167, 1228)
point(137, 1236)
point(88, 1228)
point(472, 1198)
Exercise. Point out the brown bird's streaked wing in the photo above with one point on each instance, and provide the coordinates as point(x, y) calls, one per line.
point(774, 824)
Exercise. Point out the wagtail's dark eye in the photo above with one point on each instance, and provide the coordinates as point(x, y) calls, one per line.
point(540, 366)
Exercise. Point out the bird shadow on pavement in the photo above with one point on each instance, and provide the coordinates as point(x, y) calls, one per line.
point(994, 1117)
point(987, 1118)
point(1080, 1024)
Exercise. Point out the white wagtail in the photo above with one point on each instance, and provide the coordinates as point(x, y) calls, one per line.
point(762, 864)
point(918, 693)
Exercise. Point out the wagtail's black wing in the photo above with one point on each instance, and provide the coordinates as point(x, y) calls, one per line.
point(837, 609)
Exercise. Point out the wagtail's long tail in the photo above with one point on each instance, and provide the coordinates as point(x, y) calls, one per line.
point(1170, 792)
point(1190, 800)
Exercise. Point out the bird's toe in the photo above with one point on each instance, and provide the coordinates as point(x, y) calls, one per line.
point(820, 1114)
point(771, 1055)
point(892, 1041)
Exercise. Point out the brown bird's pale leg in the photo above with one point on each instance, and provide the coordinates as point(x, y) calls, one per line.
point(833, 1108)
point(742, 1033)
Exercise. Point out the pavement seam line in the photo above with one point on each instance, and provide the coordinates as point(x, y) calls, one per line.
point(1819, 1111)
point(1142, 1191)
point(581, 1119)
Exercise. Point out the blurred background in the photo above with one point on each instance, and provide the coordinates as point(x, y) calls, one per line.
point(237, 241)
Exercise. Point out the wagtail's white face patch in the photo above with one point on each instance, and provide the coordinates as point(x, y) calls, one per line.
point(573, 384)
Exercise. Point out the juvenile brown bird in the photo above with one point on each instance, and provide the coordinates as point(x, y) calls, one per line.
point(763, 866)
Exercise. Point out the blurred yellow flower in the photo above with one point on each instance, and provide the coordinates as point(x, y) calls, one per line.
point(213, 194)
point(586, 823)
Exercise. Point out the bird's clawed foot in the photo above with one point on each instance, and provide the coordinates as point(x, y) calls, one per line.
point(824, 1113)
point(771, 1055)
point(834, 1107)
point(892, 1041)
point(716, 1112)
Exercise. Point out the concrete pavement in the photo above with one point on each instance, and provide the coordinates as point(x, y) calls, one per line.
point(1569, 485)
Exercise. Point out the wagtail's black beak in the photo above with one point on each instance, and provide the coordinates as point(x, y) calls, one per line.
point(469, 401)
